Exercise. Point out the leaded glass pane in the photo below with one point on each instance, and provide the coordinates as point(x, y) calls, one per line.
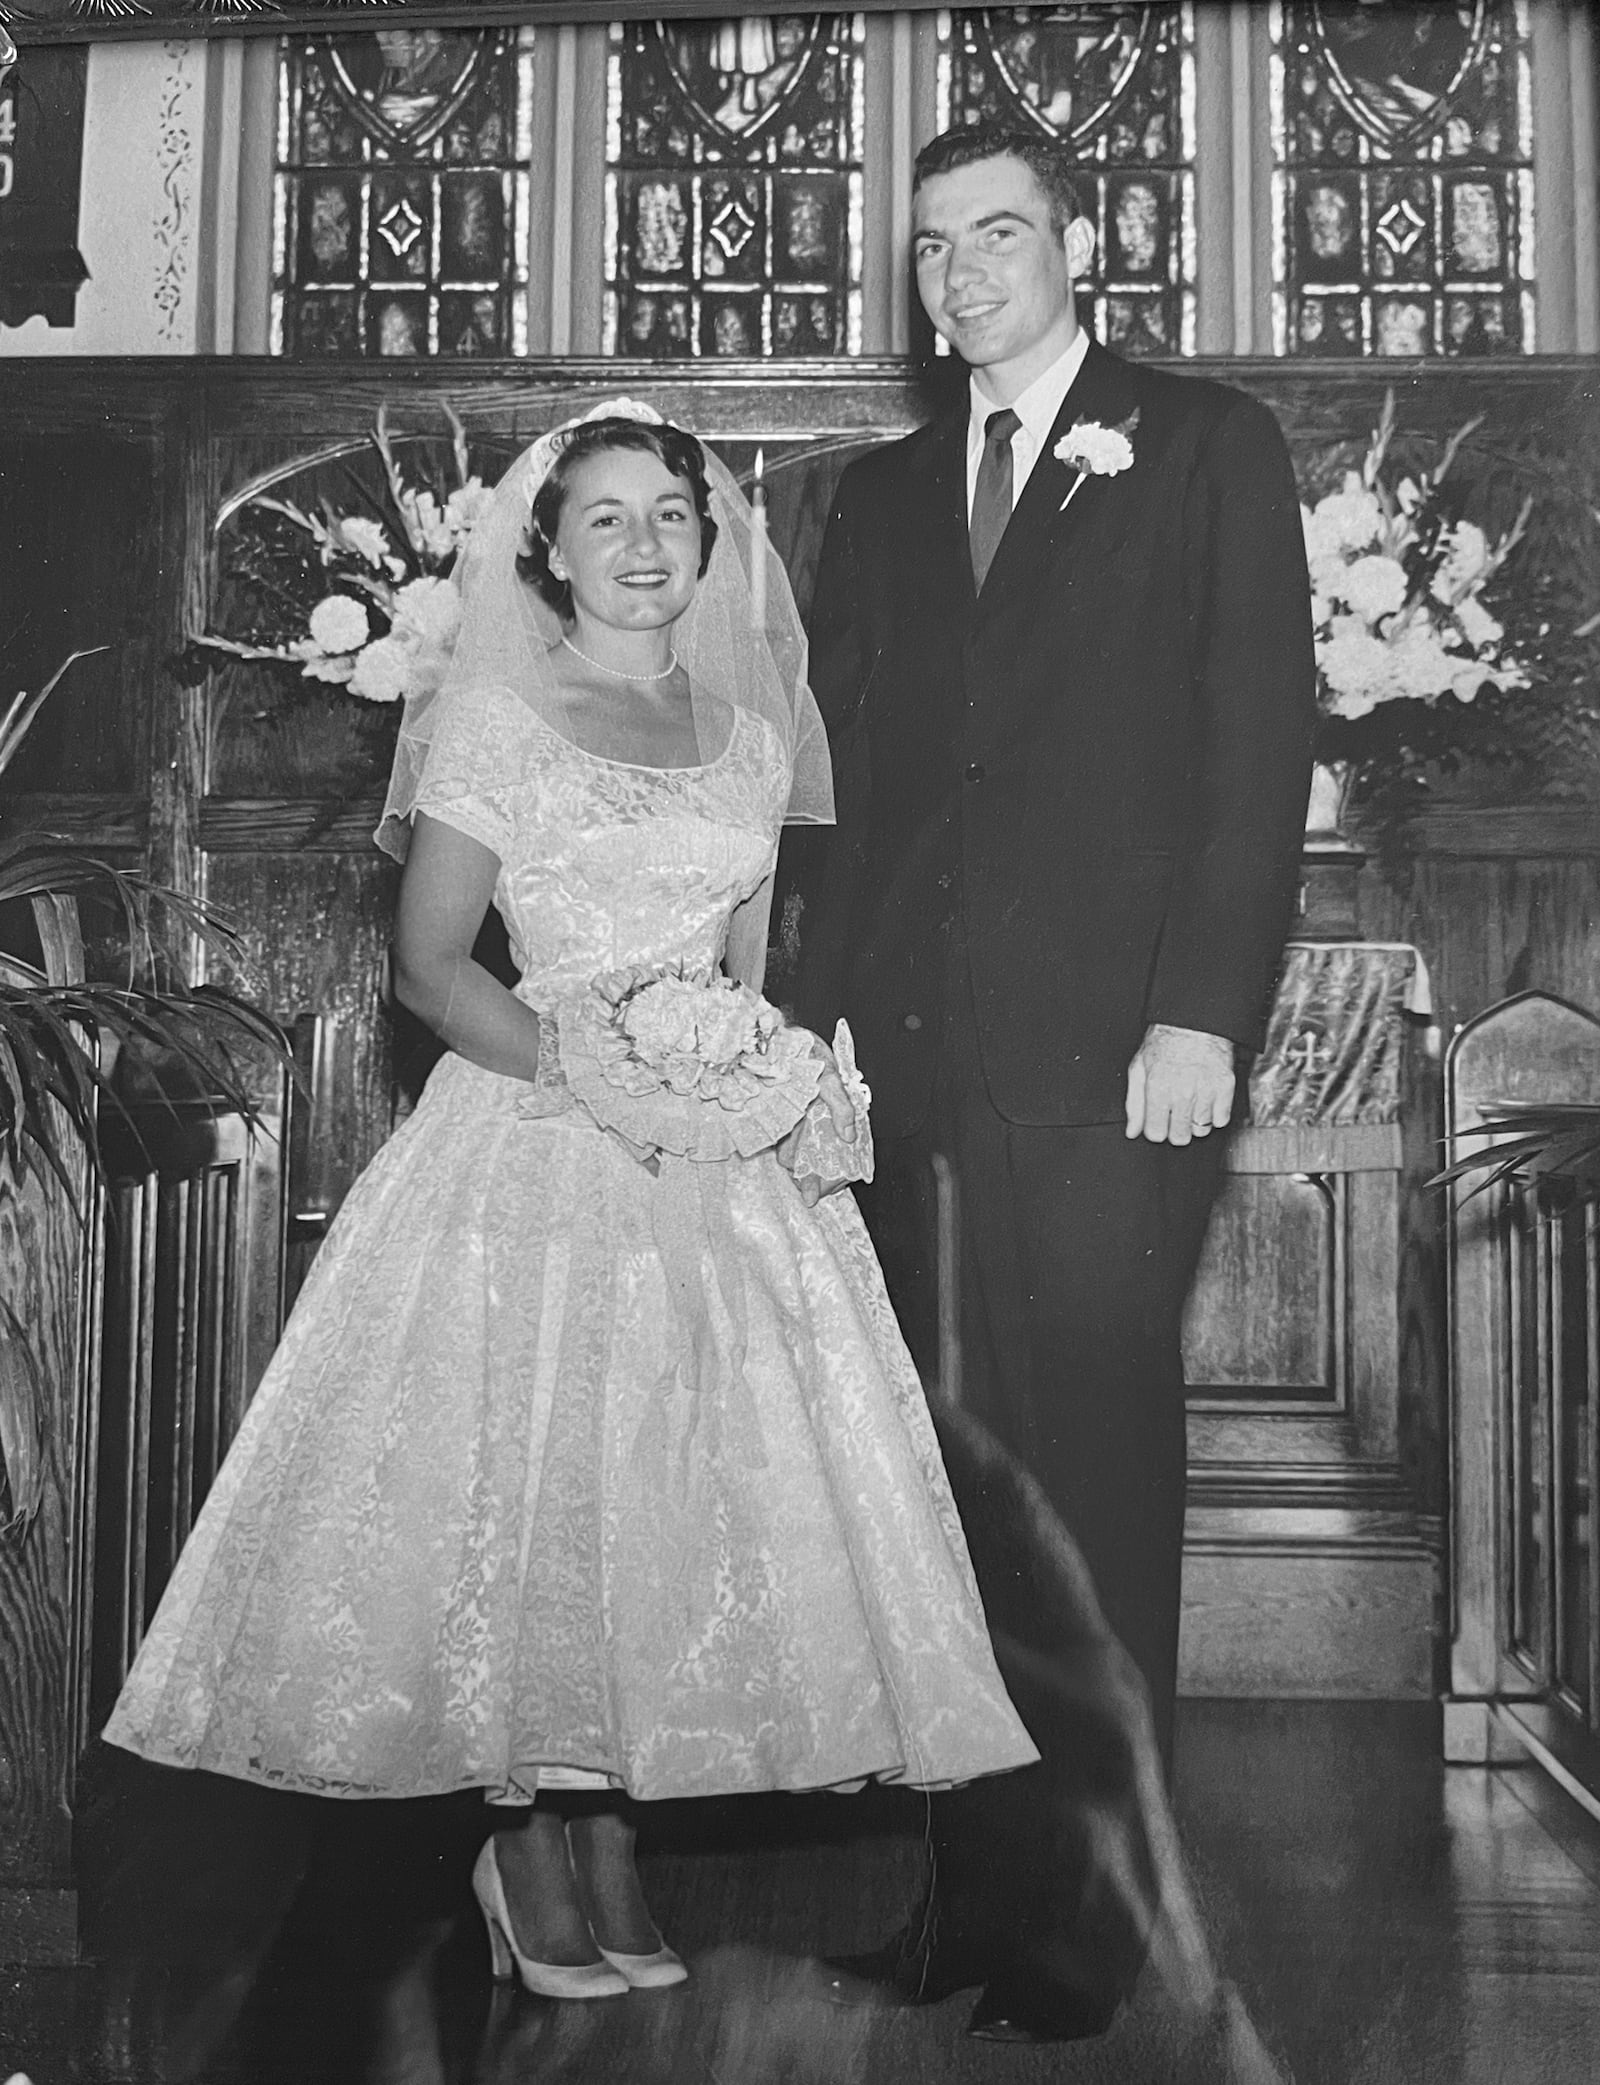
point(1403, 181)
point(733, 187)
point(401, 204)
point(1116, 85)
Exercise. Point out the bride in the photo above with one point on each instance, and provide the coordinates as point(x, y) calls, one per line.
point(591, 1469)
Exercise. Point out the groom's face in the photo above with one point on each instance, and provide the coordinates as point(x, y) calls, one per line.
point(995, 273)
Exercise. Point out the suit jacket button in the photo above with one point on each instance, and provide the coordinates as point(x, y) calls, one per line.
point(975, 771)
point(913, 1022)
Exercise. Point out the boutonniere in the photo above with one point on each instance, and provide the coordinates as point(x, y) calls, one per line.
point(1094, 451)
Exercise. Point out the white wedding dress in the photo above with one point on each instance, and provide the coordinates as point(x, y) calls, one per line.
point(475, 1530)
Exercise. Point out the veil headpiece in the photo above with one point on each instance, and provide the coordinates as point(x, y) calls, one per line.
point(739, 642)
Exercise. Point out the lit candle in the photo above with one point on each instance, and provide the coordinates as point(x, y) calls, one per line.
point(758, 545)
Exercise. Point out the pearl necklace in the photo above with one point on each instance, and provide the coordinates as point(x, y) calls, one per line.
point(616, 672)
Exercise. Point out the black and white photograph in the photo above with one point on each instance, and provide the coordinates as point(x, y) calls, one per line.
point(799, 1043)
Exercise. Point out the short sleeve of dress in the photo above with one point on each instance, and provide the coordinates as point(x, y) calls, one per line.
point(469, 775)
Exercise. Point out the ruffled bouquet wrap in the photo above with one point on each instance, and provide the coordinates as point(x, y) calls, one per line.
point(696, 1068)
point(690, 1064)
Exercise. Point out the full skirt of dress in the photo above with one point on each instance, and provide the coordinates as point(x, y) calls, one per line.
point(565, 1468)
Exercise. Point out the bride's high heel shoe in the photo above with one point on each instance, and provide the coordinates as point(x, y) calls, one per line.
point(648, 1972)
point(603, 1979)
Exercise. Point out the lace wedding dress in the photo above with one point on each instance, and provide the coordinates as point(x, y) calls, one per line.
point(474, 1530)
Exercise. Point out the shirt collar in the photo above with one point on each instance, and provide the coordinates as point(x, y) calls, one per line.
point(1038, 406)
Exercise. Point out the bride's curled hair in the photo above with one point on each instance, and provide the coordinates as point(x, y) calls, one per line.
point(679, 451)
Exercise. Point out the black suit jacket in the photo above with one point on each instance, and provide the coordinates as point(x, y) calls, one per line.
point(1103, 760)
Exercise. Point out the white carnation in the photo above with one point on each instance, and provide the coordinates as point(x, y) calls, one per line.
point(339, 624)
point(383, 671)
point(1099, 451)
point(1327, 575)
point(428, 609)
point(1351, 706)
point(1357, 668)
point(1374, 587)
point(1477, 625)
point(1322, 539)
point(427, 620)
point(1422, 666)
point(1352, 518)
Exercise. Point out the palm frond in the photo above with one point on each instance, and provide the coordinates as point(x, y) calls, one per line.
point(18, 719)
point(1534, 1142)
point(23, 1406)
point(155, 917)
point(56, 1100)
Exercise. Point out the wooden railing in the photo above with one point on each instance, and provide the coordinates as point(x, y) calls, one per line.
point(192, 1209)
point(1525, 1383)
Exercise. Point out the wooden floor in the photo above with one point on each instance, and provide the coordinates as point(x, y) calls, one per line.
point(1378, 1920)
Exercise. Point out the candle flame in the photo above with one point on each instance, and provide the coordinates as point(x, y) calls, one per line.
point(761, 464)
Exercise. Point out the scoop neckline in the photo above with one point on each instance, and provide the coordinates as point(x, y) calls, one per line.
point(636, 767)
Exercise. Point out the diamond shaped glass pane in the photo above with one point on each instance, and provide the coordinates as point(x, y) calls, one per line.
point(1403, 191)
point(733, 191)
point(403, 162)
point(1116, 86)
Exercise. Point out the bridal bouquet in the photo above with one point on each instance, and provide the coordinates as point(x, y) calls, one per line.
point(1403, 638)
point(357, 598)
point(687, 1062)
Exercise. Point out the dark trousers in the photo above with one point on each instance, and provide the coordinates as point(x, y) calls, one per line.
point(1076, 1250)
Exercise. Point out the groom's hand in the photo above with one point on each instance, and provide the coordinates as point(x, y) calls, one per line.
point(1180, 1085)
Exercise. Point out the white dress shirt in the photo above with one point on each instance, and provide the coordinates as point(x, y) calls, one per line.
point(1036, 409)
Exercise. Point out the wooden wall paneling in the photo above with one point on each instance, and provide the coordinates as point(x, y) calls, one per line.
point(48, 1269)
point(1275, 1244)
point(1533, 1049)
point(1309, 1567)
point(1422, 1442)
point(80, 566)
point(317, 926)
point(1492, 927)
point(42, 1271)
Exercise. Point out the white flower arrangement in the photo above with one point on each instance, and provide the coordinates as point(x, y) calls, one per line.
point(382, 613)
point(1395, 585)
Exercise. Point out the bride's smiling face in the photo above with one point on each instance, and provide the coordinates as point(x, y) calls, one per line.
point(628, 541)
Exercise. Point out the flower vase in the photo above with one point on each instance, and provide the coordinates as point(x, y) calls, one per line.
point(1327, 810)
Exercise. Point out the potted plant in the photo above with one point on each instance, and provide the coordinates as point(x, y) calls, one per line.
point(61, 1035)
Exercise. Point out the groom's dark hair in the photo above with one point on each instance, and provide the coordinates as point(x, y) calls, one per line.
point(1045, 159)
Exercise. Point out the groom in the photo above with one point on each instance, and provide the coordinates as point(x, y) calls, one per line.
point(1062, 640)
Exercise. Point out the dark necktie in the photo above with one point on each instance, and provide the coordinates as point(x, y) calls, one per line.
point(991, 502)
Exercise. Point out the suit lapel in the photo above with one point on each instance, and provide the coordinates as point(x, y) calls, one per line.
point(1056, 505)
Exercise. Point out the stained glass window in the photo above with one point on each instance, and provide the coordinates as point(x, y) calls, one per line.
point(1116, 85)
point(1403, 186)
point(734, 187)
point(401, 203)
